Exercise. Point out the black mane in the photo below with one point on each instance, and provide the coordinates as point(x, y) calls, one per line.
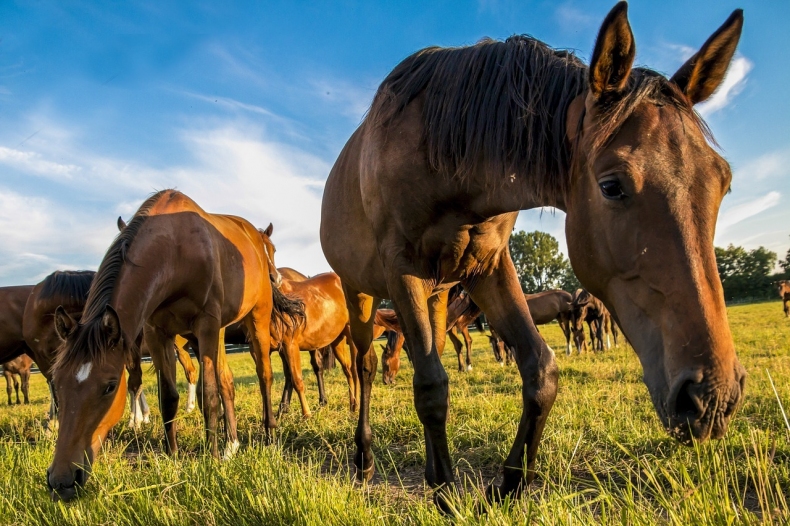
point(505, 104)
point(68, 287)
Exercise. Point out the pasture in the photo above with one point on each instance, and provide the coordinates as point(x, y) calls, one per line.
point(604, 457)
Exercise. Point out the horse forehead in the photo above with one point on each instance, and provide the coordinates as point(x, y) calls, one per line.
point(83, 372)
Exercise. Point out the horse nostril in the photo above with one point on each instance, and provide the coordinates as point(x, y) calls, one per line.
point(80, 477)
point(687, 404)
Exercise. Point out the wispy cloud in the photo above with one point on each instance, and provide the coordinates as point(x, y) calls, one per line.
point(733, 84)
point(772, 164)
point(742, 211)
point(571, 18)
point(32, 162)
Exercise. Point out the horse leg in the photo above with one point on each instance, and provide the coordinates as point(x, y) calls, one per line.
point(295, 368)
point(316, 361)
point(25, 377)
point(288, 387)
point(16, 388)
point(361, 311)
point(52, 422)
point(160, 346)
point(9, 380)
point(134, 388)
point(344, 357)
point(189, 371)
point(458, 348)
point(207, 330)
point(227, 391)
point(499, 296)
point(257, 322)
point(468, 343)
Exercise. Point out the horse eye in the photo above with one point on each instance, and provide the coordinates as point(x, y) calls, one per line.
point(110, 389)
point(611, 189)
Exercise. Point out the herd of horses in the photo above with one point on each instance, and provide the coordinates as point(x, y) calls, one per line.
point(423, 197)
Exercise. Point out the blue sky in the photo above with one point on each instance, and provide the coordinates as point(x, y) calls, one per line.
point(245, 106)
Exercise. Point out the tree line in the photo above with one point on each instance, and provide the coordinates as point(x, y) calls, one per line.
point(745, 274)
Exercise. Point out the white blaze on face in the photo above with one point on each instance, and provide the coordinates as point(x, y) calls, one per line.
point(83, 372)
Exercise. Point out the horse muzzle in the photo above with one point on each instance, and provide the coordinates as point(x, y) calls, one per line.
point(65, 487)
point(700, 407)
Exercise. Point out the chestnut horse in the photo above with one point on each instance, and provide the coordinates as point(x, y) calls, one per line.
point(326, 324)
point(426, 192)
point(174, 269)
point(18, 367)
point(784, 293)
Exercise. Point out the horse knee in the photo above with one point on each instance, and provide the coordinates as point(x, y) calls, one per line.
point(431, 397)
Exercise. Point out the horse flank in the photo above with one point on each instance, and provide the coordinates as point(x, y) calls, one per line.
point(505, 103)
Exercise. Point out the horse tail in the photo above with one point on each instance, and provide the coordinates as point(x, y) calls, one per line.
point(287, 312)
point(479, 324)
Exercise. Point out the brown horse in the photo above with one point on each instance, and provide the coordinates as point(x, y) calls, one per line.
point(544, 307)
point(426, 191)
point(588, 308)
point(12, 308)
point(18, 367)
point(69, 290)
point(326, 324)
point(174, 269)
point(784, 293)
point(386, 321)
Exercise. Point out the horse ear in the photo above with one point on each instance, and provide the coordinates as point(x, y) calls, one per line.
point(703, 73)
point(64, 324)
point(121, 224)
point(269, 230)
point(111, 326)
point(614, 53)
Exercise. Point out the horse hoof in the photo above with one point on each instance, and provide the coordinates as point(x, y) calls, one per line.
point(230, 450)
point(307, 415)
point(364, 475)
point(146, 419)
point(468, 368)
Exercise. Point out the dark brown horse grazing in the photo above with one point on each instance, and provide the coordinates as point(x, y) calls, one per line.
point(18, 367)
point(326, 324)
point(588, 308)
point(174, 269)
point(425, 195)
point(784, 293)
point(386, 321)
point(12, 308)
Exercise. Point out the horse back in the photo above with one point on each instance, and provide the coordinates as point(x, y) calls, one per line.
point(325, 309)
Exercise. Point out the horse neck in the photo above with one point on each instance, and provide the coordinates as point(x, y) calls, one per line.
point(139, 291)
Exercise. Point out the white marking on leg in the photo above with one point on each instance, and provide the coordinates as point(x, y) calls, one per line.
point(608, 344)
point(469, 367)
point(144, 409)
point(83, 372)
point(230, 450)
point(132, 409)
point(191, 397)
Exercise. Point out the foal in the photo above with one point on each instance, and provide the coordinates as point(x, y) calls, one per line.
point(18, 367)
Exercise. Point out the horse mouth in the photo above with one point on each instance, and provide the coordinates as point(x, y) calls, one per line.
point(67, 492)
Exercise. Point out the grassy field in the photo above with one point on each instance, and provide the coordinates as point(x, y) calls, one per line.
point(604, 456)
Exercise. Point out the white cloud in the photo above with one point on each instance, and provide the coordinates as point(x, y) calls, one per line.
point(772, 164)
point(571, 18)
point(740, 212)
point(733, 84)
point(32, 162)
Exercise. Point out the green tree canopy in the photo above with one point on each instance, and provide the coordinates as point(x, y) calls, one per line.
point(746, 273)
point(540, 264)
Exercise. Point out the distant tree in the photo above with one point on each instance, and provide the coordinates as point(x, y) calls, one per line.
point(539, 263)
point(745, 273)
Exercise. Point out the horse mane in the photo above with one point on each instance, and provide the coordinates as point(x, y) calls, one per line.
point(89, 339)
point(505, 104)
point(67, 287)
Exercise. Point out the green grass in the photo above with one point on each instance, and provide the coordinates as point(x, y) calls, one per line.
point(604, 456)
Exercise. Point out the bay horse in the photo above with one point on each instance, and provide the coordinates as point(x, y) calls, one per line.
point(784, 293)
point(12, 308)
point(18, 367)
point(69, 289)
point(426, 192)
point(174, 270)
point(588, 308)
point(325, 324)
point(544, 307)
